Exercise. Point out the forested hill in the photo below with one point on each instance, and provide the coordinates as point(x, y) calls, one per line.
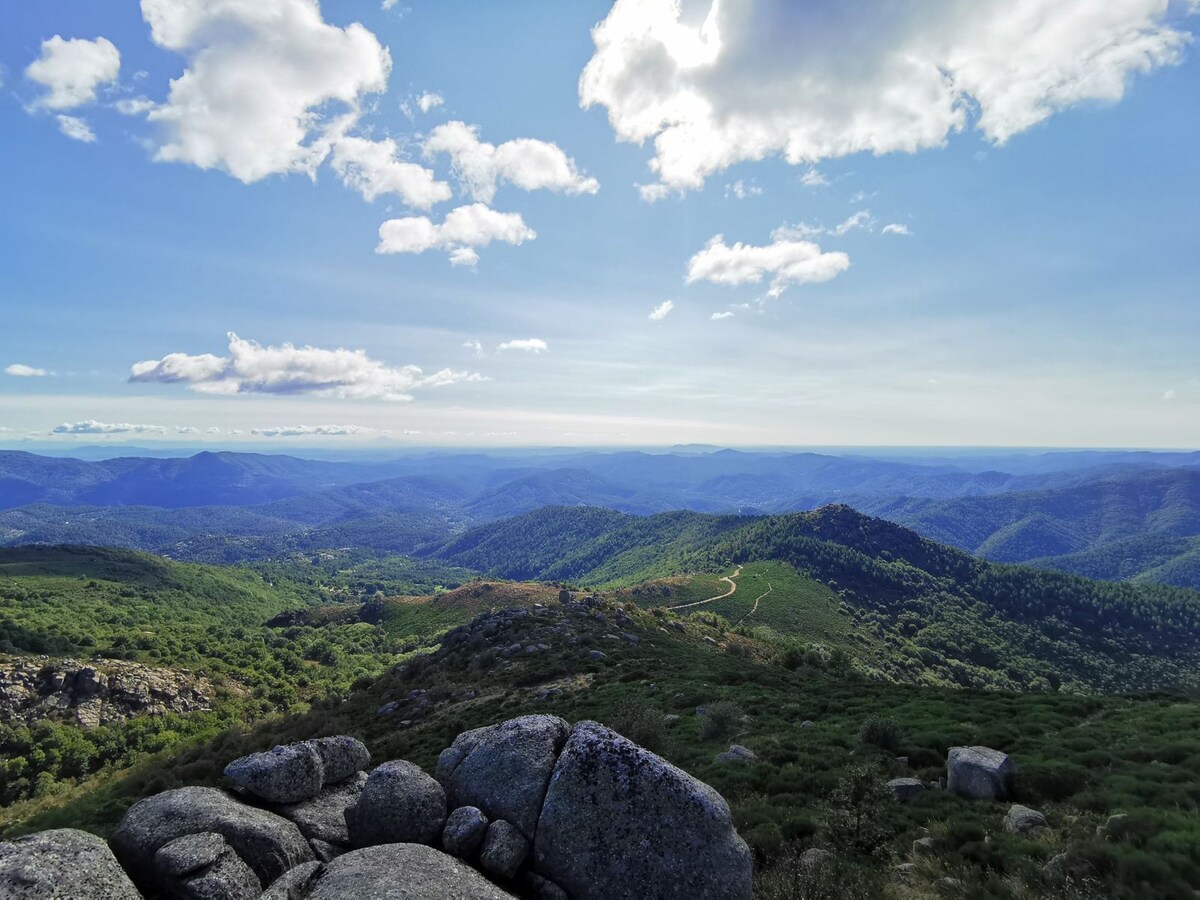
point(968, 620)
point(1131, 525)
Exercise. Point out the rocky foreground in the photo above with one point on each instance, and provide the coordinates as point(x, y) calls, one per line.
point(531, 807)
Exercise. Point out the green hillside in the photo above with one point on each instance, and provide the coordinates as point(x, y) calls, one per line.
point(946, 617)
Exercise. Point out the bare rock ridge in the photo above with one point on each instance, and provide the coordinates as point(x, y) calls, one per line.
point(531, 807)
point(93, 694)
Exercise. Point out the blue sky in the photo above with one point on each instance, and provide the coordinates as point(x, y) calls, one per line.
point(1044, 293)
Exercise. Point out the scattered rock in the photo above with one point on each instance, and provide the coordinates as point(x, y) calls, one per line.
point(399, 804)
point(205, 867)
point(736, 754)
point(64, 864)
point(1115, 828)
point(905, 871)
point(617, 818)
point(980, 773)
point(808, 723)
point(1066, 866)
point(388, 708)
point(630, 637)
point(905, 789)
point(1023, 820)
point(504, 849)
point(504, 769)
point(597, 654)
point(284, 774)
point(269, 843)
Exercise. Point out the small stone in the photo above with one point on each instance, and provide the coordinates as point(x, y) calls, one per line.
point(924, 847)
point(808, 723)
point(597, 655)
point(906, 789)
point(813, 857)
point(504, 849)
point(1023, 820)
point(736, 754)
point(465, 830)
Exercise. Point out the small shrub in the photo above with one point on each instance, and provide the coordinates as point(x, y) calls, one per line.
point(883, 733)
point(642, 724)
point(721, 720)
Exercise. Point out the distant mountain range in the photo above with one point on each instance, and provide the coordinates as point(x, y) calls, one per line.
point(1116, 516)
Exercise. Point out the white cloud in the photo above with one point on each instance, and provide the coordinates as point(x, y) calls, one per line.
point(805, 230)
point(212, 429)
point(134, 106)
point(76, 129)
point(476, 225)
point(71, 70)
point(464, 256)
point(269, 85)
point(529, 345)
point(91, 426)
point(896, 228)
point(374, 168)
point(311, 430)
point(529, 164)
point(475, 346)
point(1168, 395)
point(724, 82)
point(786, 260)
point(20, 370)
point(661, 311)
point(429, 100)
point(387, 4)
point(252, 368)
point(740, 190)
point(813, 178)
point(716, 317)
point(186, 429)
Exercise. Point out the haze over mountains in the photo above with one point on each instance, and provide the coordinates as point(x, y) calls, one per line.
point(1112, 515)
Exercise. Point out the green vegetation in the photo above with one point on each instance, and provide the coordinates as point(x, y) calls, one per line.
point(1080, 758)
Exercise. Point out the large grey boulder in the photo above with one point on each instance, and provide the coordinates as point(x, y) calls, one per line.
point(465, 830)
point(397, 872)
point(504, 849)
point(736, 754)
point(617, 819)
point(1023, 820)
point(341, 756)
point(285, 774)
point(323, 818)
point(504, 769)
point(268, 843)
point(204, 867)
point(399, 804)
point(64, 864)
point(980, 773)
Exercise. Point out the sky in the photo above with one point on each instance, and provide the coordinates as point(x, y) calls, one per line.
point(273, 223)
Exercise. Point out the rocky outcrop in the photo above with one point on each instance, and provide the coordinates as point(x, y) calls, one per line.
point(980, 773)
point(268, 843)
point(94, 694)
point(575, 813)
point(617, 818)
point(504, 769)
point(65, 864)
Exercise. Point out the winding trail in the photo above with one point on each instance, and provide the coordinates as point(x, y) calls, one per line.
point(755, 609)
point(728, 579)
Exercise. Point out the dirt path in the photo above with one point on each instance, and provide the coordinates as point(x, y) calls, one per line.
point(728, 579)
point(755, 608)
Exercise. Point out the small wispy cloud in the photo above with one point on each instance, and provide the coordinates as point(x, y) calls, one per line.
point(661, 311)
point(718, 316)
point(896, 228)
point(813, 178)
point(529, 345)
point(91, 426)
point(740, 190)
point(312, 431)
point(20, 370)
